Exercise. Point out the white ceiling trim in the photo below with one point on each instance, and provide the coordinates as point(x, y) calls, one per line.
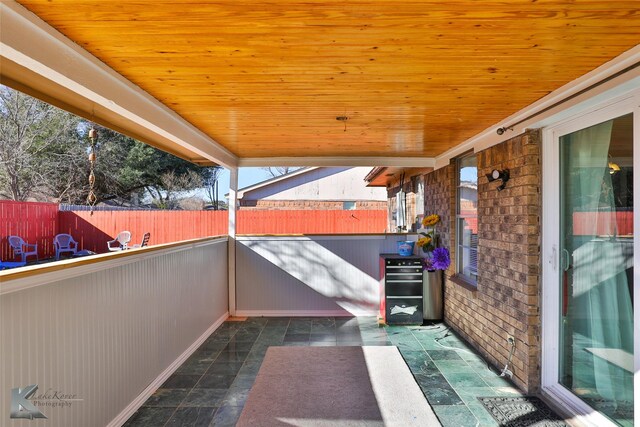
point(60, 69)
point(559, 103)
point(408, 162)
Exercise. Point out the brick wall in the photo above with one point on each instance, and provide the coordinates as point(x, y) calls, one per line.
point(506, 300)
point(309, 205)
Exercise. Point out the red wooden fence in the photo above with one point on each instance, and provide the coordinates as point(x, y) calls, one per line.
point(312, 222)
point(34, 222)
point(603, 223)
point(40, 222)
point(93, 231)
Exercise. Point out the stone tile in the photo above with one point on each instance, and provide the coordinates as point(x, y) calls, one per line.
point(204, 397)
point(437, 390)
point(238, 346)
point(193, 368)
point(278, 322)
point(181, 381)
point(167, 397)
point(296, 337)
point(192, 417)
point(224, 368)
point(266, 341)
point(377, 342)
point(147, 416)
point(226, 416)
point(215, 381)
point(257, 354)
point(482, 415)
point(444, 355)
point(322, 337)
point(213, 345)
point(416, 359)
point(222, 335)
point(323, 343)
point(257, 320)
point(464, 379)
point(295, 343)
point(229, 325)
point(495, 380)
point(428, 343)
point(454, 416)
point(470, 394)
point(323, 321)
point(232, 356)
point(235, 397)
point(411, 344)
point(243, 382)
point(246, 336)
point(479, 366)
point(323, 329)
point(453, 366)
point(250, 368)
point(507, 391)
point(203, 356)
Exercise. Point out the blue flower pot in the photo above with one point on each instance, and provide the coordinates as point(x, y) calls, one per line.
point(405, 248)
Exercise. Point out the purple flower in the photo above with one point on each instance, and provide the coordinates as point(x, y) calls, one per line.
point(440, 259)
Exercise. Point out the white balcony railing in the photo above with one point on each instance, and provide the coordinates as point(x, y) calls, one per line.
point(110, 329)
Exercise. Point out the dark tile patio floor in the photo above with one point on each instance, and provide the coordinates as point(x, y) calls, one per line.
point(211, 387)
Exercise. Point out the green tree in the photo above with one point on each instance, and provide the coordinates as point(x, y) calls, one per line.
point(38, 147)
point(44, 156)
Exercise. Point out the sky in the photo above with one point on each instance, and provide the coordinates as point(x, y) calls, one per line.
point(247, 177)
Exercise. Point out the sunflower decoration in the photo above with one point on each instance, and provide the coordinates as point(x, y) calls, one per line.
point(428, 240)
point(431, 220)
point(437, 258)
point(424, 242)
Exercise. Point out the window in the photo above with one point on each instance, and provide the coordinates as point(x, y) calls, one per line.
point(467, 219)
point(349, 206)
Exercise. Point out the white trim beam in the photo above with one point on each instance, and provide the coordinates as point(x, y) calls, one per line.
point(37, 59)
point(407, 162)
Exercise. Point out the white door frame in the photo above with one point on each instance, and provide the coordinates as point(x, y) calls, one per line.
point(550, 301)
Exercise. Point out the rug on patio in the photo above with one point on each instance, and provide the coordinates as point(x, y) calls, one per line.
point(521, 412)
point(337, 386)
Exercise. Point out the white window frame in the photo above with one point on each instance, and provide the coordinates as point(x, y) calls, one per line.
point(550, 302)
point(459, 216)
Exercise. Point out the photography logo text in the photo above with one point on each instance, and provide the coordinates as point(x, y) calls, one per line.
point(26, 403)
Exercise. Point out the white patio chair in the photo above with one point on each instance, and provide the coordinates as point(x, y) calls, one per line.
point(120, 243)
point(64, 243)
point(145, 241)
point(23, 249)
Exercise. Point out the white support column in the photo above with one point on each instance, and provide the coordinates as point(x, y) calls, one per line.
point(233, 203)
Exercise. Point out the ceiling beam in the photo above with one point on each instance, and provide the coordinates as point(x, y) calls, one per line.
point(418, 162)
point(38, 60)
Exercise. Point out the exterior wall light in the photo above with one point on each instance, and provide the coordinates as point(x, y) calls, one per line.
point(502, 175)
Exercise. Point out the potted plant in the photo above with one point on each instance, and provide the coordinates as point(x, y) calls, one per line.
point(435, 261)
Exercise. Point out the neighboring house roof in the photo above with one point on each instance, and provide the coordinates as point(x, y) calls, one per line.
point(271, 181)
point(315, 183)
point(384, 176)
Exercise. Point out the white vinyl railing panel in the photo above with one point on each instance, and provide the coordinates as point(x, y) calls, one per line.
point(310, 275)
point(106, 335)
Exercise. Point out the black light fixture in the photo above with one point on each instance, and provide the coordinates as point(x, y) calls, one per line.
point(343, 119)
point(501, 175)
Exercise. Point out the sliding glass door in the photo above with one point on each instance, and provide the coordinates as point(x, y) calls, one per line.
point(595, 266)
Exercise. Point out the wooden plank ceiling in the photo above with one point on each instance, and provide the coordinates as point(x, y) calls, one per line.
point(268, 78)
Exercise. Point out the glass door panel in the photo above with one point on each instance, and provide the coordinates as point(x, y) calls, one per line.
point(596, 260)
